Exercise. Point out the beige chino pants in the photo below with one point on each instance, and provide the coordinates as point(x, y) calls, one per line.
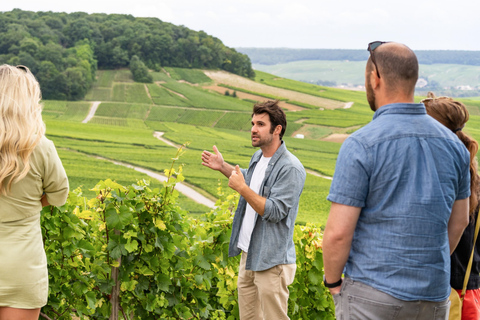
point(263, 295)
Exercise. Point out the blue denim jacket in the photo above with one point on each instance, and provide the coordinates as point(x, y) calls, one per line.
point(272, 237)
point(405, 170)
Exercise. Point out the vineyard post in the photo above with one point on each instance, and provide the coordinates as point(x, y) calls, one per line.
point(115, 297)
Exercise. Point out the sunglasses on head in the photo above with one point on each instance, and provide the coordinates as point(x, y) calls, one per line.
point(21, 67)
point(371, 47)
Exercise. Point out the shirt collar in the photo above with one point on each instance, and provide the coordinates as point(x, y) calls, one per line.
point(400, 108)
point(275, 156)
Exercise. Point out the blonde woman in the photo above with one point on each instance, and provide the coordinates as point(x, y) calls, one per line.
point(31, 176)
point(453, 114)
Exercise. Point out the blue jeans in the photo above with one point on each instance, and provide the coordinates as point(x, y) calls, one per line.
point(358, 301)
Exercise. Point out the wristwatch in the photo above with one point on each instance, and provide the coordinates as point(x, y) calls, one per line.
point(332, 285)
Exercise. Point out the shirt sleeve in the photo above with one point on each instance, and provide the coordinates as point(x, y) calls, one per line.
point(464, 185)
point(284, 194)
point(352, 174)
point(55, 181)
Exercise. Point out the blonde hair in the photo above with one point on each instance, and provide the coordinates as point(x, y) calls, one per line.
point(21, 125)
point(453, 115)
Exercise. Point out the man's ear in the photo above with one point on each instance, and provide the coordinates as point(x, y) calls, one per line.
point(374, 79)
point(278, 129)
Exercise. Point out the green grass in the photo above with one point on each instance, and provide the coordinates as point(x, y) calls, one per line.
point(123, 76)
point(472, 105)
point(312, 132)
point(99, 94)
point(315, 90)
point(156, 125)
point(189, 75)
point(122, 122)
point(166, 114)
point(473, 128)
point(130, 92)
point(160, 76)
point(120, 110)
point(162, 96)
point(200, 117)
point(105, 78)
point(76, 111)
point(200, 98)
point(236, 121)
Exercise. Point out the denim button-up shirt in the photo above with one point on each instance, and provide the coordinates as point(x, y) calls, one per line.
point(272, 237)
point(405, 170)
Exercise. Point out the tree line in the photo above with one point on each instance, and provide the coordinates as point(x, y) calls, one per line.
point(65, 50)
point(272, 56)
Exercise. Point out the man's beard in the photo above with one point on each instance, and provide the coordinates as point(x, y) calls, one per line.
point(261, 142)
point(370, 96)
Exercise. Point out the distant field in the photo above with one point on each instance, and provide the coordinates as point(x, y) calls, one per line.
point(340, 72)
point(240, 82)
point(351, 73)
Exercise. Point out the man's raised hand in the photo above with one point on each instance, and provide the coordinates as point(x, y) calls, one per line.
point(212, 160)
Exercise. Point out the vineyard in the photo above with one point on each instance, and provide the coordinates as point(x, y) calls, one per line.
point(123, 130)
point(132, 253)
point(161, 255)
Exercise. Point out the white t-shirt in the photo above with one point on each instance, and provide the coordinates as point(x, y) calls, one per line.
point(250, 214)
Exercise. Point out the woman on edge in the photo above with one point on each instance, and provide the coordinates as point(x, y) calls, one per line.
point(454, 115)
point(31, 176)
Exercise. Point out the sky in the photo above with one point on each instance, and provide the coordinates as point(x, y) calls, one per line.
point(317, 24)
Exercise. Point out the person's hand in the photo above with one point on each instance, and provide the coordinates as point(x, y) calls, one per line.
point(212, 160)
point(236, 180)
point(44, 200)
point(335, 290)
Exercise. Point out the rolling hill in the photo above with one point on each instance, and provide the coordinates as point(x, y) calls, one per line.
point(190, 107)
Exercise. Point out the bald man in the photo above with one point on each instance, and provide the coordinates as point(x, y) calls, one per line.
point(399, 202)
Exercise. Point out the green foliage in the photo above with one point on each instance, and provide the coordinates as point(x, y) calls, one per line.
point(309, 299)
point(169, 266)
point(139, 70)
point(60, 48)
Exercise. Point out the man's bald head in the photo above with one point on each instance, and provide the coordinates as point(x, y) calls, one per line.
point(397, 65)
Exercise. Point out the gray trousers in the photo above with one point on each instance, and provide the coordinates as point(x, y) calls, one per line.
point(358, 301)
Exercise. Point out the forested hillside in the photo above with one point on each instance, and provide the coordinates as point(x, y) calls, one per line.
point(271, 56)
point(65, 50)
